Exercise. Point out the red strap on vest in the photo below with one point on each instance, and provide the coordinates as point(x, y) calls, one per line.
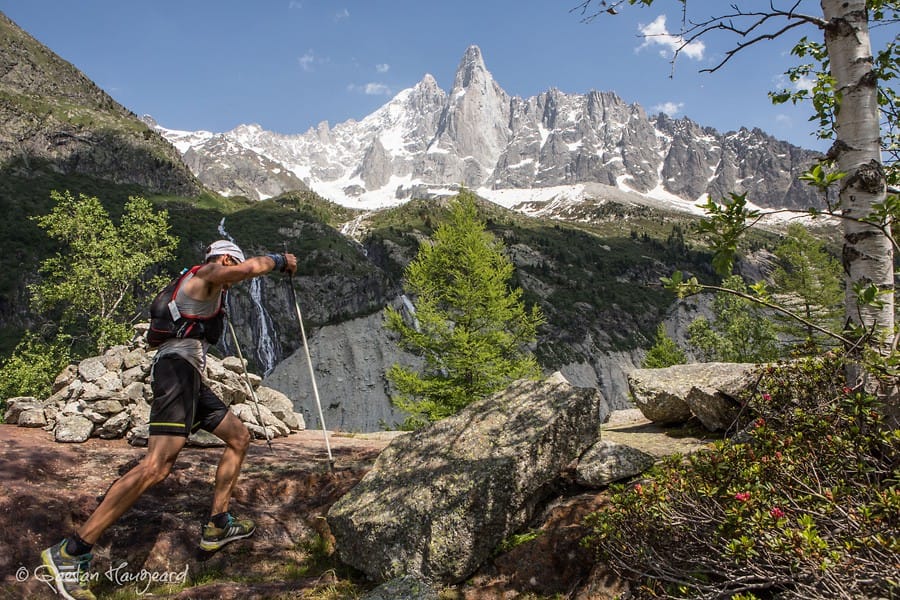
point(184, 275)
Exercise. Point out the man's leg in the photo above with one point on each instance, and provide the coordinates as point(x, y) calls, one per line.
point(154, 467)
point(67, 563)
point(222, 528)
point(237, 441)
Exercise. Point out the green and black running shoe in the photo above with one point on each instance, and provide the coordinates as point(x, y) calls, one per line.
point(70, 573)
point(214, 537)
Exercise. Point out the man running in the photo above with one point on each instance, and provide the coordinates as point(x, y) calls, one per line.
point(182, 404)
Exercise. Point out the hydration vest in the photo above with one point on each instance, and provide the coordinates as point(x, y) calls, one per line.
point(167, 321)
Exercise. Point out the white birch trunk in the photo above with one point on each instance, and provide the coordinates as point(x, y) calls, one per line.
point(868, 253)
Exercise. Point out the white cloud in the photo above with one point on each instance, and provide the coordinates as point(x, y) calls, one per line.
point(294, 4)
point(371, 89)
point(805, 82)
point(656, 34)
point(784, 120)
point(342, 14)
point(382, 68)
point(669, 108)
point(307, 61)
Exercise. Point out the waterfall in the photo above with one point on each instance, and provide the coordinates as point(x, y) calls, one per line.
point(350, 229)
point(266, 351)
point(410, 310)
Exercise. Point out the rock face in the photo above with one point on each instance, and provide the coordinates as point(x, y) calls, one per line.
point(109, 397)
point(708, 391)
point(246, 174)
point(349, 361)
point(438, 501)
point(52, 113)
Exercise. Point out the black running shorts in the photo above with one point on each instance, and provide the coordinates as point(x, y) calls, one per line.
point(182, 404)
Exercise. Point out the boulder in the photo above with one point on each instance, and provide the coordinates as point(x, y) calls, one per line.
point(65, 377)
point(707, 391)
point(438, 501)
point(280, 405)
point(113, 358)
point(608, 462)
point(73, 428)
point(715, 399)
point(234, 364)
point(133, 358)
point(659, 394)
point(32, 417)
point(115, 426)
point(91, 369)
point(18, 405)
point(204, 439)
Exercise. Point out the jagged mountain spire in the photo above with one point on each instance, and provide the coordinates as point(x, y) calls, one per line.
point(474, 126)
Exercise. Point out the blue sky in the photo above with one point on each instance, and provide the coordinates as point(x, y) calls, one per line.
point(289, 64)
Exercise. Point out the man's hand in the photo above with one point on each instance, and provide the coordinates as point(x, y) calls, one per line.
point(290, 264)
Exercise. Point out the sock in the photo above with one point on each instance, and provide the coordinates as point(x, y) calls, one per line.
point(220, 520)
point(75, 546)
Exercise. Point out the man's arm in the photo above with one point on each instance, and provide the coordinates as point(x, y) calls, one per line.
point(213, 276)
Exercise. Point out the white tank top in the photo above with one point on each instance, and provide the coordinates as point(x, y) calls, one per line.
point(191, 350)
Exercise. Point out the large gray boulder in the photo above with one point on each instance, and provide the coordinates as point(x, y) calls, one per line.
point(607, 462)
point(438, 501)
point(708, 391)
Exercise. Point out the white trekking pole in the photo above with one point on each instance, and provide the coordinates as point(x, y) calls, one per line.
point(312, 375)
point(250, 384)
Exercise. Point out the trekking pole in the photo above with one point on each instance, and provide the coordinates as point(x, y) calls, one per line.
point(250, 385)
point(312, 375)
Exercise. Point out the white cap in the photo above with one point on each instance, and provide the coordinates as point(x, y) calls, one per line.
point(225, 247)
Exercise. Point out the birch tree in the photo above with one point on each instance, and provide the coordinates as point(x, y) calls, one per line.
point(91, 287)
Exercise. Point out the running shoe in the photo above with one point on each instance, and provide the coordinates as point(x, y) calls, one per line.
point(70, 573)
point(214, 537)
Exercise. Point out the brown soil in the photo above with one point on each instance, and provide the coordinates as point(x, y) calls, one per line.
point(47, 488)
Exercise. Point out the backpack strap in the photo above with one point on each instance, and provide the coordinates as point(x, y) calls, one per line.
point(181, 279)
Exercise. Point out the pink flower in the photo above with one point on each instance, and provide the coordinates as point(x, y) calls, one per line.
point(742, 496)
point(760, 422)
point(766, 397)
point(639, 489)
point(776, 513)
point(846, 390)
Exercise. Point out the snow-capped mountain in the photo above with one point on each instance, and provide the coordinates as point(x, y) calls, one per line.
point(509, 149)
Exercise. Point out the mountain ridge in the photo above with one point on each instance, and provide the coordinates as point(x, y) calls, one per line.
point(425, 142)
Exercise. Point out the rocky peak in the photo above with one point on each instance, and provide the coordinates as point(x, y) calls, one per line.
point(471, 70)
point(473, 127)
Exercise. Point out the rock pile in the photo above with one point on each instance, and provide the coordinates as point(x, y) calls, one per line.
point(109, 396)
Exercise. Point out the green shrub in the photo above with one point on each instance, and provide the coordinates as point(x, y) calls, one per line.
point(805, 503)
point(31, 369)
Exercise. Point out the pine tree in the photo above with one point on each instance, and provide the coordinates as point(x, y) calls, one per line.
point(808, 282)
point(664, 352)
point(472, 330)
